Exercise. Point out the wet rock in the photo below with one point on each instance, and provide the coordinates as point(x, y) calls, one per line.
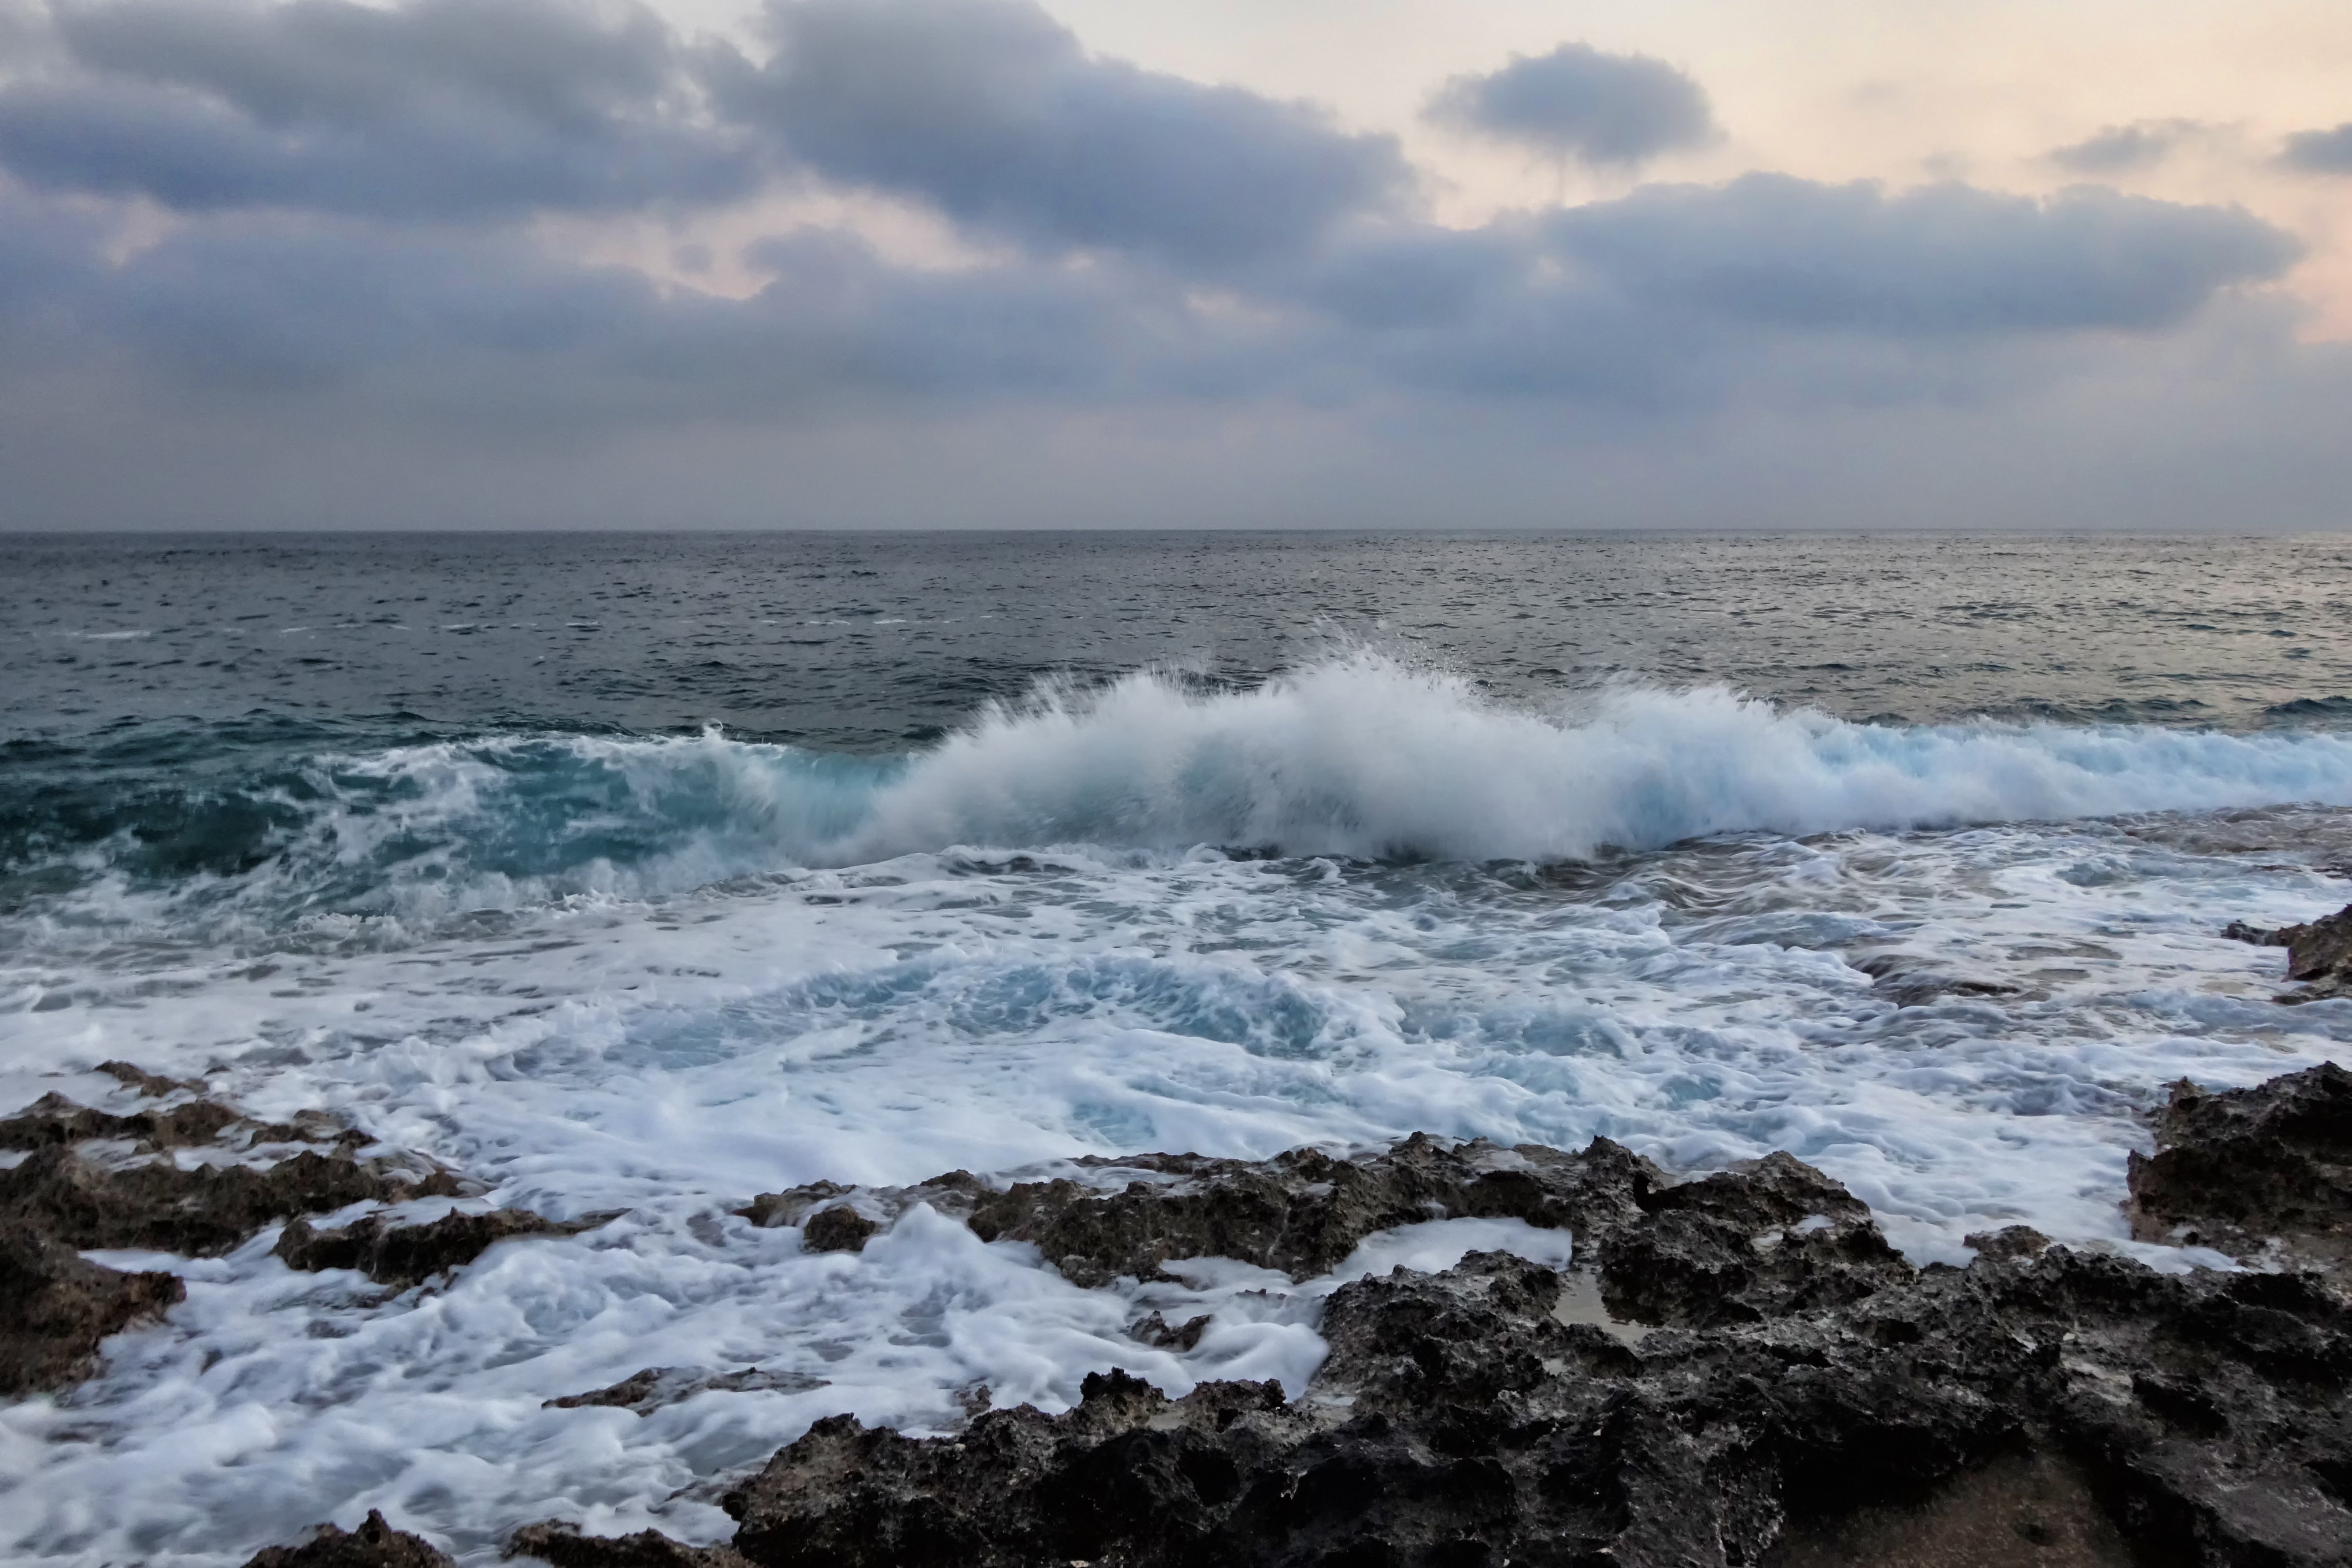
point(2318, 953)
point(1301, 1213)
point(374, 1545)
point(562, 1546)
point(2009, 1241)
point(647, 1391)
point(1160, 1334)
point(838, 1228)
point(406, 1255)
point(1459, 1420)
point(159, 1205)
point(2244, 1170)
point(57, 1305)
point(1763, 1238)
point(186, 1174)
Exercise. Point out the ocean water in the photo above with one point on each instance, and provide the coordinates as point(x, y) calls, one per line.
point(651, 873)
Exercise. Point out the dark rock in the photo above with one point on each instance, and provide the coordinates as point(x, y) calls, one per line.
point(406, 1255)
point(1301, 1213)
point(770, 1210)
point(562, 1546)
point(78, 1188)
point(838, 1228)
point(374, 1545)
point(647, 1391)
point(2244, 1168)
point(57, 1305)
point(1160, 1334)
point(199, 1212)
point(2021, 1511)
point(2320, 949)
point(2318, 953)
point(2009, 1241)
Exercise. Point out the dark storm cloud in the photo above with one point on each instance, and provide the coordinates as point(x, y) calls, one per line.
point(2320, 152)
point(2126, 149)
point(437, 109)
point(989, 111)
point(1579, 102)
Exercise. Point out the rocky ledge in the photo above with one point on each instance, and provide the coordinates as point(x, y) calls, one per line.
point(179, 1172)
point(2318, 953)
point(1737, 1370)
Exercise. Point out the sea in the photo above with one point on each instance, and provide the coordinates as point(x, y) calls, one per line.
point(647, 873)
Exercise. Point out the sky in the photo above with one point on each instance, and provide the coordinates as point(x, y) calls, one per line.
point(1707, 263)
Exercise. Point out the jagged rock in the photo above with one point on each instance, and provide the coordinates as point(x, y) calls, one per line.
point(78, 1188)
point(2244, 1168)
point(374, 1545)
point(57, 1305)
point(2009, 1241)
point(406, 1255)
point(1302, 1212)
point(1764, 1237)
point(647, 1391)
point(839, 1228)
point(1811, 1399)
point(2318, 953)
point(1160, 1334)
point(562, 1546)
point(200, 1212)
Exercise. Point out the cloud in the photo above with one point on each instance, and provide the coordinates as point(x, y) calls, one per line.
point(2126, 149)
point(1579, 102)
point(1942, 260)
point(989, 111)
point(2320, 152)
point(348, 267)
point(432, 108)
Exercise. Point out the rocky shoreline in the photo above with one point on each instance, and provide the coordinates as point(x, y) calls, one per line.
point(1738, 1369)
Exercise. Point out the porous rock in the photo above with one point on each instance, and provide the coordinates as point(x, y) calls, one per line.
point(56, 1307)
point(406, 1255)
point(562, 1546)
point(2251, 1169)
point(1807, 1392)
point(649, 1390)
point(178, 1173)
point(2318, 953)
point(374, 1545)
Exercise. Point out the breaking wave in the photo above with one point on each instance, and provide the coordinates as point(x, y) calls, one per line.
point(1359, 756)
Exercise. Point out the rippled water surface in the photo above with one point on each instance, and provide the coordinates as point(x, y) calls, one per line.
point(648, 874)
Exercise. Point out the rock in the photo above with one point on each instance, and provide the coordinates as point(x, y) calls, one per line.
point(2318, 953)
point(374, 1545)
point(406, 1255)
point(97, 1179)
point(563, 1546)
point(838, 1228)
point(2009, 1241)
point(1811, 1399)
point(647, 1391)
point(56, 1307)
point(2246, 1168)
point(160, 1207)
point(2320, 949)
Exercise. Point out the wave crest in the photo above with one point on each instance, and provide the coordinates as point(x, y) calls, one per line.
point(1360, 756)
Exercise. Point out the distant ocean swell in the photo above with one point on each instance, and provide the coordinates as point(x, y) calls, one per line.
point(1357, 756)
